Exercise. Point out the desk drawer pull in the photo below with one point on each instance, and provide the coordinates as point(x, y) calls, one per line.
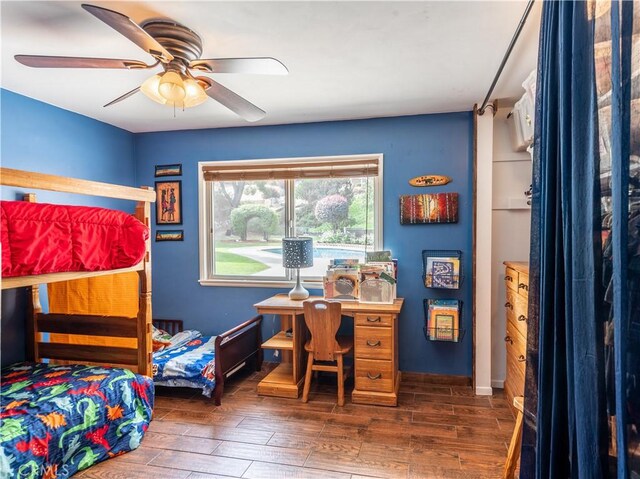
point(373, 378)
point(508, 305)
point(373, 343)
point(507, 339)
point(523, 286)
point(521, 359)
point(374, 319)
point(508, 278)
point(522, 317)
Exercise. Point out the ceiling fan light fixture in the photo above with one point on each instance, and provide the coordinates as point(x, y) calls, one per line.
point(150, 89)
point(171, 87)
point(195, 93)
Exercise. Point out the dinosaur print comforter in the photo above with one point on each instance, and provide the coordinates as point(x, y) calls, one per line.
point(56, 420)
point(191, 365)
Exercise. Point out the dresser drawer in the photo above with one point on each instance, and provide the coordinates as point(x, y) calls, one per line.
point(520, 313)
point(374, 343)
point(374, 375)
point(511, 279)
point(510, 304)
point(523, 284)
point(373, 319)
point(516, 348)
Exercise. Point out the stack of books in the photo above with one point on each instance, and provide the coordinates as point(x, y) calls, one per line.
point(443, 320)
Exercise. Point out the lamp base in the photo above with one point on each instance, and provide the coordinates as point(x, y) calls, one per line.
point(298, 293)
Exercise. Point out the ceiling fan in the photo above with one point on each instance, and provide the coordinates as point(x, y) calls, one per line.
point(178, 50)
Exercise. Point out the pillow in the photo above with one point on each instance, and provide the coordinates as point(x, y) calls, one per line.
point(161, 339)
point(183, 338)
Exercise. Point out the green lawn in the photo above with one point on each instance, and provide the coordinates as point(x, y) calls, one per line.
point(234, 264)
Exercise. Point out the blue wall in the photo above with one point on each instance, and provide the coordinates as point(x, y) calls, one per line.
point(39, 137)
point(412, 146)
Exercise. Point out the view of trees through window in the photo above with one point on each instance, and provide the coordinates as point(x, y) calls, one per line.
point(250, 221)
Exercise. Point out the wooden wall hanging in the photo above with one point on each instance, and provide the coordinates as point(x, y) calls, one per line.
point(430, 180)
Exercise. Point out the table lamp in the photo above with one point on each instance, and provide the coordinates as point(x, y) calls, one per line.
point(297, 253)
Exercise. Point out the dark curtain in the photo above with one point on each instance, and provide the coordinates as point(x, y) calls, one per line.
point(565, 383)
point(582, 394)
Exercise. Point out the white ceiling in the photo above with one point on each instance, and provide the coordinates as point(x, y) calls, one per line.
point(346, 60)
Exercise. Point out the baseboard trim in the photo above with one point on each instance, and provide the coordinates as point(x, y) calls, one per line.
point(483, 391)
point(431, 378)
point(497, 383)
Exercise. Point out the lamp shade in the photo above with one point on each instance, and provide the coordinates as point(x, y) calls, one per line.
point(297, 252)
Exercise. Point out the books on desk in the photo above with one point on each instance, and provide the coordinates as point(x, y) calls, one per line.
point(373, 282)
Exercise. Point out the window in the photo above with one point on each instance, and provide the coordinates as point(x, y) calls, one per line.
point(247, 207)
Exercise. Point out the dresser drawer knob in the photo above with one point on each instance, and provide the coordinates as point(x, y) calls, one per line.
point(522, 317)
point(521, 359)
point(374, 319)
point(523, 286)
point(373, 343)
point(508, 278)
point(507, 339)
point(373, 378)
point(508, 305)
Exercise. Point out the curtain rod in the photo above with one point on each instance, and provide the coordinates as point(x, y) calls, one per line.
point(523, 20)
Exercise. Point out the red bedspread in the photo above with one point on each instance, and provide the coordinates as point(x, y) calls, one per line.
point(39, 238)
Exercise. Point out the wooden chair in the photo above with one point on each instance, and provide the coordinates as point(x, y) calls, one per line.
point(516, 441)
point(323, 320)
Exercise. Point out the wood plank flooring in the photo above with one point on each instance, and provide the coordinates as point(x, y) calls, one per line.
point(437, 431)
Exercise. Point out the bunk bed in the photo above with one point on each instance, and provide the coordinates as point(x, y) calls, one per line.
point(205, 362)
point(86, 403)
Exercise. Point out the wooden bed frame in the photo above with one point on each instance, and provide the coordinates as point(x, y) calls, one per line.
point(137, 358)
point(234, 349)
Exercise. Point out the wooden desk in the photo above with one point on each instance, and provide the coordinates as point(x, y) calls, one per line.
point(377, 378)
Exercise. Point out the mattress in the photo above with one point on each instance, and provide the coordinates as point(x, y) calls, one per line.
point(40, 238)
point(57, 420)
point(191, 364)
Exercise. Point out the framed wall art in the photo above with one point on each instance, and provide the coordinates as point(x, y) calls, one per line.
point(169, 202)
point(429, 208)
point(170, 235)
point(168, 170)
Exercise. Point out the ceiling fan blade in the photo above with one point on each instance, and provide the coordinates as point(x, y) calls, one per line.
point(123, 97)
point(260, 66)
point(233, 101)
point(41, 61)
point(131, 30)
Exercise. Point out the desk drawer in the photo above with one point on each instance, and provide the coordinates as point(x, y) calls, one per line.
point(374, 319)
point(374, 375)
point(374, 343)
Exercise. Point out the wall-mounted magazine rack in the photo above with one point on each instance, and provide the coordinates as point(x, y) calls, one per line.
point(442, 269)
point(442, 320)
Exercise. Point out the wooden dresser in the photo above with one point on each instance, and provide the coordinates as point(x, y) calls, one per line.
point(516, 279)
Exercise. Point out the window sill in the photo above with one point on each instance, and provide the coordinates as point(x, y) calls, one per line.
point(251, 283)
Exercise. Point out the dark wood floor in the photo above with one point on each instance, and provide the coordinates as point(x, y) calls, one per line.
point(437, 431)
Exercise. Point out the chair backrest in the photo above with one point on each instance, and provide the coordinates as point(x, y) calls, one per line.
point(323, 320)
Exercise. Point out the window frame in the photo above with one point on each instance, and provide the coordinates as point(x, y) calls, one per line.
point(206, 217)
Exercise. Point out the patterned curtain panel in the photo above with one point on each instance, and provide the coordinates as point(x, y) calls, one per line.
point(582, 395)
point(617, 63)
